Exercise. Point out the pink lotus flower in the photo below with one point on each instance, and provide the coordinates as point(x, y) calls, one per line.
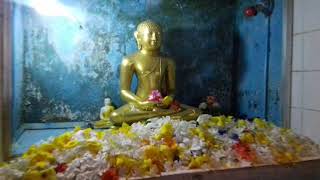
point(155, 96)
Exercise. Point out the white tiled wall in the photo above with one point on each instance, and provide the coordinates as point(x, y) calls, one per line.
point(305, 90)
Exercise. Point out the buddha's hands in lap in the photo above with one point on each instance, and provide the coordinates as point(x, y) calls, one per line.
point(166, 102)
point(151, 106)
point(147, 105)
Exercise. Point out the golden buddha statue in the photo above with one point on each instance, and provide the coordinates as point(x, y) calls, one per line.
point(156, 75)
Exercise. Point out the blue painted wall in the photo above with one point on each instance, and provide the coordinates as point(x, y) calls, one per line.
point(67, 61)
point(258, 52)
point(275, 71)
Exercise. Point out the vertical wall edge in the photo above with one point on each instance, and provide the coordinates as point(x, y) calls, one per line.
point(287, 62)
point(6, 78)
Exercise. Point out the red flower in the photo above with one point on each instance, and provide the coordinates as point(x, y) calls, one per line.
point(175, 105)
point(211, 100)
point(110, 174)
point(243, 151)
point(61, 168)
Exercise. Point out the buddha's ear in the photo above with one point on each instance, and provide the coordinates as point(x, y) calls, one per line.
point(136, 35)
point(137, 39)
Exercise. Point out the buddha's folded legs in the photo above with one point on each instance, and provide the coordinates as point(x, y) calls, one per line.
point(129, 114)
point(188, 113)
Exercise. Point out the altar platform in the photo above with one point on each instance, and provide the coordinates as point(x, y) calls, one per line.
point(308, 169)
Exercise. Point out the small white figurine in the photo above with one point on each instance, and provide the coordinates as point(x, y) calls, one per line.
point(106, 110)
point(105, 113)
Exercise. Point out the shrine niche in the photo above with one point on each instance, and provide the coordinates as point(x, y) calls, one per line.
point(145, 89)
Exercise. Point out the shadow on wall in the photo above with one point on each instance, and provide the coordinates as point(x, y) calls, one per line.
point(203, 66)
point(238, 72)
point(249, 77)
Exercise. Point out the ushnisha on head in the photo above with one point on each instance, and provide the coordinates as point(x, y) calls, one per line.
point(148, 36)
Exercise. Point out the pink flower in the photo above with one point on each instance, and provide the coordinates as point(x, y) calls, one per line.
point(155, 96)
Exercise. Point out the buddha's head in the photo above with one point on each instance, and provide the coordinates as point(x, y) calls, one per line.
point(148, 36)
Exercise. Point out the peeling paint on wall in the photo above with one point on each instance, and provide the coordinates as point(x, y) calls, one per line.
point(70, 66)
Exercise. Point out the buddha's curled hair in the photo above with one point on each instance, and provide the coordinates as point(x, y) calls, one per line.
point(149, 25)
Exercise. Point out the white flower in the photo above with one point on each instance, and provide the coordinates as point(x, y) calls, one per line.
point(197, 144)
point(203, 106)
point(182, 129)
point(79, 136)
point(203, 118)
point(7, 173)
point(87, 167)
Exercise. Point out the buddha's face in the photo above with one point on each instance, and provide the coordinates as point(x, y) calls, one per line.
point(149, 38)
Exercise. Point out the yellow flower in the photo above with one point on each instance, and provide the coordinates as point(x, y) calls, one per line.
point(220, 121)
point(242, 124)
point(47, 174)
point(31, 151)
point(152, 152)
point(181, 152)
point(124, 129)
point(146, 165)
point(197, 162)
point(32, 175)
point(199, 132)
point(76, 129)
point(262, 139)
point(229, 120)
point(282, 157)
point(100, 135)
point(60, 141)
point(93, 147)
point(285, 131)
point(87, 133)
point(42, 156)
point(215, 145)
point(204, 136)
point(247, 138)
point(71, 144)
point(120, 161)
point(167, 152)
point(260, 124)
point(41, 165)
point(289, 156)
point(39, 155)
point(214, 121)
point(166, 131)
point(125, 163)
point(297, 147)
